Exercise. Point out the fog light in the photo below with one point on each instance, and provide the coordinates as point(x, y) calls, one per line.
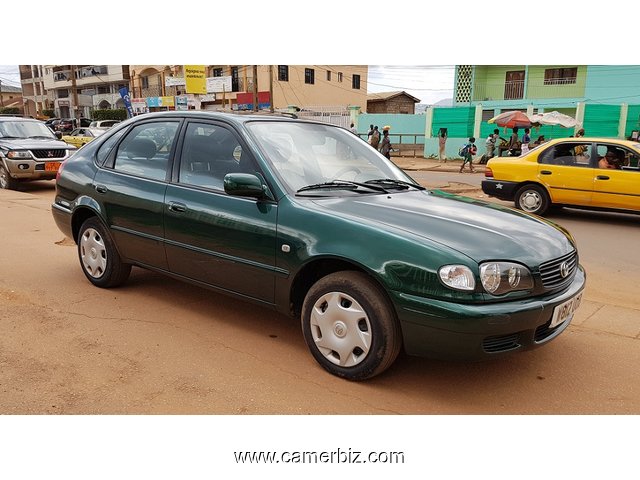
point(23, 166)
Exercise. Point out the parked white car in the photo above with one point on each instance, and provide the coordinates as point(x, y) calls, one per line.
point(105, 124)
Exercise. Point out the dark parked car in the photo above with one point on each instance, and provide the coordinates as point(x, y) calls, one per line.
point(310, 220)
point(29, 151)
point(69, 124)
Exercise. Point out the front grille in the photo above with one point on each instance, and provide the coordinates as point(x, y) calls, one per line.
point(543, 331)
point(502, 343)
point(551, 272)
point(45, 154)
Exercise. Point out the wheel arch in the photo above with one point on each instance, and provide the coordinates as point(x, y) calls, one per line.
point(318, 268)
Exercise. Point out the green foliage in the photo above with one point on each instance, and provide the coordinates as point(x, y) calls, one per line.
point(9, 110)
point(49, 113)
point(110, 114)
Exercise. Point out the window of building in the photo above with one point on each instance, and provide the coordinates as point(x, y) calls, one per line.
point(283, 73)
point(560, 76)
point(63, 93)
point(145, 82)
point(217, 72)
point(340, 76)
point(103, 89)
point(328, 75)
point(309, 76)
point(355, 82)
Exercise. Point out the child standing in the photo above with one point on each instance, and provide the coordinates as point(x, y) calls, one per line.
point(468, 151)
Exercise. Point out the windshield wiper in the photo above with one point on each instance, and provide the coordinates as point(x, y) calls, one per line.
point(391, 182)
point(43, 136)
point(335, 184)
point(10, 136)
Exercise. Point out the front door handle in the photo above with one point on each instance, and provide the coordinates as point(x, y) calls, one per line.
point(101, 189)
point(602, 177)
point(545, 172)
point(177, 207)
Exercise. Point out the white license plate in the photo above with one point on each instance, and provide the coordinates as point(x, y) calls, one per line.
point(565, 310)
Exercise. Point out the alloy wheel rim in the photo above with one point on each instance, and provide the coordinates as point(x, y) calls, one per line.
point(93, 253)
point(341, 329)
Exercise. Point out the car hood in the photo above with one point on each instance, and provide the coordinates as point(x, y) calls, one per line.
point(33, 144)
point(477, 229)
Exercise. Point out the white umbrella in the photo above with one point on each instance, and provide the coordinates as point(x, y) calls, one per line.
point(554, 118)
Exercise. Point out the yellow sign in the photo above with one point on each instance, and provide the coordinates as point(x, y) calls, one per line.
point(195, 78)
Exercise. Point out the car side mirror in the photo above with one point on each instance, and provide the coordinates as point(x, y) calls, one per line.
point(244, 185)
point(58, 135)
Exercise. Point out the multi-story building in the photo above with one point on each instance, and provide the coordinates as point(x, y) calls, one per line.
point(11, 97)
point(302, 86)
point(73, 90)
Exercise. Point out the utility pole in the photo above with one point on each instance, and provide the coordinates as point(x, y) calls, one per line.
point(1, 99)
point(74, 91)
point(255, 88)
point(271, 88)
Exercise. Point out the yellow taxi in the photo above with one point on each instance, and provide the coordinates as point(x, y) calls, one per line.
point(82, 136)
point(595, 173)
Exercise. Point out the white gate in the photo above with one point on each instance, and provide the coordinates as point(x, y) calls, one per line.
point(334, 115)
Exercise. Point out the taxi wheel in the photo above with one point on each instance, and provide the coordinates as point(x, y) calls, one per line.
point(350, 326)
point(532, 199)
point(98, 256)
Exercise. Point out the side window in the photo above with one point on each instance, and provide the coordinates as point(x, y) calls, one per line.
point(615, 157)
point(210, 152)
point(145, 150)
point(575, 154)
point(107, 146)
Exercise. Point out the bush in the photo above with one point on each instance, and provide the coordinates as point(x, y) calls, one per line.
point(9, 110)
point(49, 113)
point(110, 114)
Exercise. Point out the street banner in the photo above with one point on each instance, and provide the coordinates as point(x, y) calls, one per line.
point(195, 78)
point(126, 98)
point(182, 102)
point(219, 84)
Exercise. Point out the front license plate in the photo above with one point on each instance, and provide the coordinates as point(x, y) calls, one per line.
point(565, 310)
point(51, 166)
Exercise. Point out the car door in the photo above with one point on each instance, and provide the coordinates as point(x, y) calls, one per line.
point(221, 240)
point(568, 175)
point(617, 188)
point(131, 187)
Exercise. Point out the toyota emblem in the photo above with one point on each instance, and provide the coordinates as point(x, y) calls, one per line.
point(564, 269)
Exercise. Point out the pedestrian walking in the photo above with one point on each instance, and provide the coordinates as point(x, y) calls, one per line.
point(353, 129)
point(385, 145)
point(369, 133)
point(467, 152)
point(514, 143)
point(375, 138)
point(526, 140)
point(442, 142)
point(490, 143)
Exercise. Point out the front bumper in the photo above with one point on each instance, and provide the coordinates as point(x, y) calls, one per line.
point(500, 189)
point(31, 169)
point(447, 330)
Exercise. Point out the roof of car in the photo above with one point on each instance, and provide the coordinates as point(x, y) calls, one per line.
point(620, 141)
point(236, 117)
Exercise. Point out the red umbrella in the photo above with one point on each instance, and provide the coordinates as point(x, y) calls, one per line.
point(511, 119)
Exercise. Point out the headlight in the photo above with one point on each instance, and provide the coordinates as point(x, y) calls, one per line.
point(458, 277)
point(501, 277)
point(19, 154)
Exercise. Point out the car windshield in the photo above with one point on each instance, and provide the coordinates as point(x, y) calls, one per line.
point(24, 129)
point(326, 159)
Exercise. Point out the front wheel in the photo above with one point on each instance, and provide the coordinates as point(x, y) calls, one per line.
point(532, 199)
point(6, 182)
point(349, 326)
point(99, 258)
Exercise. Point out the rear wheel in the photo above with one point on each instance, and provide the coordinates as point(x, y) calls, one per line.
point(99, 258)
point(532, 199)
point(350, 326)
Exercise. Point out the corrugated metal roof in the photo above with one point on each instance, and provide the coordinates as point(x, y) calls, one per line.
point(389, 95)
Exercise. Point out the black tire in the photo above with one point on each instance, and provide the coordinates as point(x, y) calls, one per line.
point(533, 199)
point(6, 182)
point(99, 259)
point(360, 337)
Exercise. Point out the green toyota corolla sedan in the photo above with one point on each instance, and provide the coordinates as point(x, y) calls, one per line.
point(308, 219)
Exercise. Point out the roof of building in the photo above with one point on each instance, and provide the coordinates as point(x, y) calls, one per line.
point(383, 96)
point(9, 89)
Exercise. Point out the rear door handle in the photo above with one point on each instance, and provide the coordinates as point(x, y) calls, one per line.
point(545, 172)
point(177, 207)
point(101, 189)
point(602, 177)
